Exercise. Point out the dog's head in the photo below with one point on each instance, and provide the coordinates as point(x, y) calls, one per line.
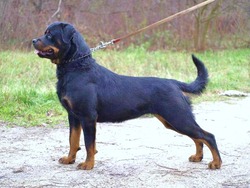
point(60, 42)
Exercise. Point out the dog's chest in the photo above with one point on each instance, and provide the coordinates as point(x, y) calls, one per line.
point(61, 88)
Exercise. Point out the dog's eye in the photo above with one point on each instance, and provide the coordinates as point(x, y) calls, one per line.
point(49, 36)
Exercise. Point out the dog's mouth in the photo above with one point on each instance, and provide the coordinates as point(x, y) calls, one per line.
point(45, 53)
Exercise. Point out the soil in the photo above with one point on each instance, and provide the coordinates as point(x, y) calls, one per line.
point(136, 153)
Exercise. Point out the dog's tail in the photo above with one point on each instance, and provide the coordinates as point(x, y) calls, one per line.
point(197, 86)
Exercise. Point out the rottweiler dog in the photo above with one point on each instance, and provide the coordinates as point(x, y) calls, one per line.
point(91, 93)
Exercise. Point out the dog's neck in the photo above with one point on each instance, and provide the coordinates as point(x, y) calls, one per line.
point(81, 63)
point(77, 57)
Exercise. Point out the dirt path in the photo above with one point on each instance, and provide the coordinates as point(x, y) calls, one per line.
point(137, 153)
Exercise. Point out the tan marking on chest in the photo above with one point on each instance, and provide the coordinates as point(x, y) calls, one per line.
point(67, 101)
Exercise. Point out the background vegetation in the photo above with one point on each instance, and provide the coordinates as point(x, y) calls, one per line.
point(218, 33)
point(220, 25)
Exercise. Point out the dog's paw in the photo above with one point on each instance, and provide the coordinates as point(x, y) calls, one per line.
point(66, 160)
point(214, 165)
point(195, 158)
point(86, 165)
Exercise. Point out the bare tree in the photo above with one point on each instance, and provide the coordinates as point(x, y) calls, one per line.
point(57, 12)
point(203, 20)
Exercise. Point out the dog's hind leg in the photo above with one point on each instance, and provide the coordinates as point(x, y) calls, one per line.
point(189, 127)
point(198, 156)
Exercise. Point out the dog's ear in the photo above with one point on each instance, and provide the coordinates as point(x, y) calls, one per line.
point(68, 32)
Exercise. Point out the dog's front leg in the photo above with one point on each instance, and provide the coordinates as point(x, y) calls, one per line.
point(89, 130)
point(74, 140)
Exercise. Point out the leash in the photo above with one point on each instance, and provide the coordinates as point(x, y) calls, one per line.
point(113, 41)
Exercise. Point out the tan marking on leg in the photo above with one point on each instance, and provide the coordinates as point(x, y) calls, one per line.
point(199, 151)
point(74, 141)
point(90, 159)
point(165, 123)
point(216, 163)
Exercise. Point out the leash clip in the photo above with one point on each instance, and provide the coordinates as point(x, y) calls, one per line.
point(102, 45)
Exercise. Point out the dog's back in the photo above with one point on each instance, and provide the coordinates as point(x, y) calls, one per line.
point(139, 95)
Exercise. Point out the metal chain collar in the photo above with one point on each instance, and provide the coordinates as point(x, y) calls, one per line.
point(102, 45)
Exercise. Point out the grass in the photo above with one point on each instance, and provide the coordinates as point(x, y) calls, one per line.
point(27, 82)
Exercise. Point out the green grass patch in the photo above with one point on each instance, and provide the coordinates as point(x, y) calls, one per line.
point(27, 82)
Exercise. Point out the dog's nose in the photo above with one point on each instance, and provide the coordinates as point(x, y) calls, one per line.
point(34, 41)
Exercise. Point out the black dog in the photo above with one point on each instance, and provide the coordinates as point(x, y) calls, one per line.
point(91, 93)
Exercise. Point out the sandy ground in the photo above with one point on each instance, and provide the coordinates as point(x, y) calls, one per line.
point(137, 153)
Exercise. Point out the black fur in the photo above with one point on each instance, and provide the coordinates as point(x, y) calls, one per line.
point(91, 93)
